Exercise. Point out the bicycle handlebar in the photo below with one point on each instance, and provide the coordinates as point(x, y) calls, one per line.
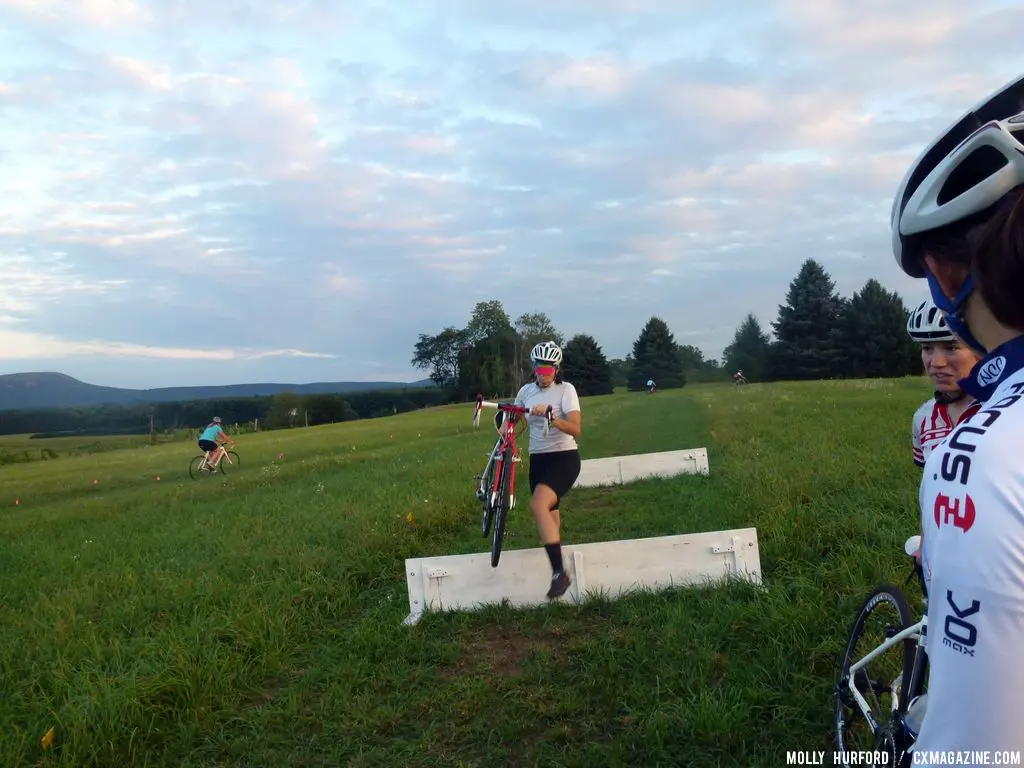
point(511, 408)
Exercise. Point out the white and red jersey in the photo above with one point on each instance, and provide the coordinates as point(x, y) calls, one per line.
point(931, 425)
point(972, 524)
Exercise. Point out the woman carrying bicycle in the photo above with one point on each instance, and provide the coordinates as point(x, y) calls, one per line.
point(958, 220)
point(555, 457)
point(946, 360)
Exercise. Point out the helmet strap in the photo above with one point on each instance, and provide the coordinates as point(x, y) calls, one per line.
point(947, 398)
point(954, 310)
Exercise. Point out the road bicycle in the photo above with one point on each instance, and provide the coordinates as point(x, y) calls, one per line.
point(201, 465)
point(889, 729)
point(497, 483)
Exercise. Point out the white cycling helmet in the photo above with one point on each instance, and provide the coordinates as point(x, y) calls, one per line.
point(969, 168)
point(957, 180)
point(546, 352)
point(926, 324)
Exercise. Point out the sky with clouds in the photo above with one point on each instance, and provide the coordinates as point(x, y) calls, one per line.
point(198, 193)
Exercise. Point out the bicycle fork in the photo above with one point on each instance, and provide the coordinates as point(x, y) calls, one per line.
point(489, 495)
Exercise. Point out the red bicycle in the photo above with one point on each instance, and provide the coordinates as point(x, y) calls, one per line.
point(497, 483)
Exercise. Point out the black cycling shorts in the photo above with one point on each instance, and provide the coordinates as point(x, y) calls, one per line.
point(207, 445)
point(558, 470)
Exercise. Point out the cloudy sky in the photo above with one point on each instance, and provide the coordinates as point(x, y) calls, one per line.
point(196, 192)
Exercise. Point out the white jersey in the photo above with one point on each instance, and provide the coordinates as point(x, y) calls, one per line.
point(972, 517)
point(564, 399)
point(931, 424)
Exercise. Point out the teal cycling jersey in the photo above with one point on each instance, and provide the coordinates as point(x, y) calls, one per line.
point(211, 433)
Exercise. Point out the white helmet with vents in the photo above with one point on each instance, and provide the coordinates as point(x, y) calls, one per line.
point(969, 168)
point(926, 324)
point(546, 352)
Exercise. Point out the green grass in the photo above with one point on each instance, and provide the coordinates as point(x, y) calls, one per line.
point(22, 448)
point(256, 620)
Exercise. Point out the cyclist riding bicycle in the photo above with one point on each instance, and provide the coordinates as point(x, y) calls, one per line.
point(554, 458)
point(650, 385)
point(208, 440)
point(958, 221)
point(946, 360)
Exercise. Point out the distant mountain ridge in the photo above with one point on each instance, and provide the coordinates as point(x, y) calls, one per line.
point(25, 391)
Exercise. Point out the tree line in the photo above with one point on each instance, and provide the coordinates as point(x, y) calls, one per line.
point(491, 355)
point(279, 411)
point(818, 334)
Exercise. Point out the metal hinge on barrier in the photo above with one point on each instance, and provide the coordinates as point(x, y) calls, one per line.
point(735, 546)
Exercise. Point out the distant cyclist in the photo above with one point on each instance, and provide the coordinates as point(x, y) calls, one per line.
point(946, 360)
point(650, 386)
point(958, 221)
point(739, 378)
point(209, 439)
point(554, 458)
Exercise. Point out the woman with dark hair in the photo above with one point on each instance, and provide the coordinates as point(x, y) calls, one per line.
point(555, 457)
point(958, 220)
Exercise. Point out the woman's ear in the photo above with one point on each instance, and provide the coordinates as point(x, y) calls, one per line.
point(949, 276)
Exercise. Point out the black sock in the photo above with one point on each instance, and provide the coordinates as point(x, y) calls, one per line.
point(555, 556)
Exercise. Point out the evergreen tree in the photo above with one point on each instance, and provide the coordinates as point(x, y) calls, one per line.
point(655, 356)
point(586, 367)
point(807, 326)
point(748, 351)
point(873, 333)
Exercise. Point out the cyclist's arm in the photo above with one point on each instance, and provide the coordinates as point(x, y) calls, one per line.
point(572, 423)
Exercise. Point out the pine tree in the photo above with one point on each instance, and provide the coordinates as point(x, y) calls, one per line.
point(807, 326)
point(873, 333)
point(655, 356)
point(586, 367)
point(748, 351)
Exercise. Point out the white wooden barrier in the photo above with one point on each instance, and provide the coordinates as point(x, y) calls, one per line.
point(625, 469)
point(609, 568)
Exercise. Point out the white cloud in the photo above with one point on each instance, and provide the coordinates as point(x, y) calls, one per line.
point(600, 161)
point(26, 345)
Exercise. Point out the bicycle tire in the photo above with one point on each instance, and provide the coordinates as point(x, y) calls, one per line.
point(502, 505)
point(235, 461)
point(886, 734)
point(193, 467)
point(488, 507)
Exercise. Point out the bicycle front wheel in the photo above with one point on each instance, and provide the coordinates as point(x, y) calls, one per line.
point(229, 462)
point(502, 504)
point(880, 682)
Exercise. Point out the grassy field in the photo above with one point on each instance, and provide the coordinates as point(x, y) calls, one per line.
point(256, 620)
point(25, 448)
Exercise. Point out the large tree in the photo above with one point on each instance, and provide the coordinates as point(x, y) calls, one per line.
point(440, 355)
point(655, 356)
point(586, 367)
point(748, 351)
point(806, 331)
point(873, 335)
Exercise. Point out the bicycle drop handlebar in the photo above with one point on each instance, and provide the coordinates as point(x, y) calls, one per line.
point(511, 408)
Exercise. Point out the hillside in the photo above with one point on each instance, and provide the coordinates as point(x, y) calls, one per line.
point(22, 391)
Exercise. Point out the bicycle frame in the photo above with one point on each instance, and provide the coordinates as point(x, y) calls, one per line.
point(914, 632)
point(223, 451)
point(917, 633)
point(507, 435)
